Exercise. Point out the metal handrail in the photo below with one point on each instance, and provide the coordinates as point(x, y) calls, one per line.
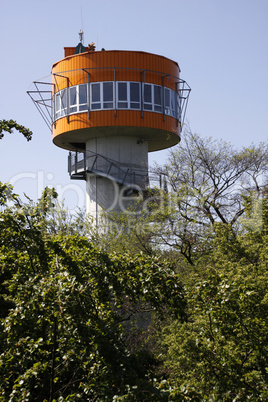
point(78, 164)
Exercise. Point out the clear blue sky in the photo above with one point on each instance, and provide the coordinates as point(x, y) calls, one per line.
point(221, 47)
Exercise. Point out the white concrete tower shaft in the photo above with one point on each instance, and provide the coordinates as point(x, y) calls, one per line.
point(121, 165)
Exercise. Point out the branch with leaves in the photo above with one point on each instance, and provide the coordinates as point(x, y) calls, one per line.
point(7, 126)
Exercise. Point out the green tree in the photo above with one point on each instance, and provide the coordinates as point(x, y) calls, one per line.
point(222, 351)
point(66, 336)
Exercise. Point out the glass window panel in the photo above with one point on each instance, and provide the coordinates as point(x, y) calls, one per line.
point(73, 97)
point(63, 98)
point(108, 105)
point(178, 107)
point(172, 93)
point(173, 103)
point(122, 105)
point(147, 93)
point(122, 91)
point(73, 109)
point(157, 95)
point(147, 106)
point(108, 91)
point(95, 106)
point(95, 92)
point(82, 94)
point(58, 102)
point(135, 91)
point(167, 97)
point(134, 105)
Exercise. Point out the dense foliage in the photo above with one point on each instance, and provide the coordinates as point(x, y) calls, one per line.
point(66, 335)
point(222, 351)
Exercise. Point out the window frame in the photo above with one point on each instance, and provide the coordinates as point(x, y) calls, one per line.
point(158, 107)
point(96, 102)
point(102, 104)
point(148, 106)
point(74, 105)
point(82, 107)
point(128, 101)
point(62, 100)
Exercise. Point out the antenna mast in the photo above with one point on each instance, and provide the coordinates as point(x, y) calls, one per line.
point(81, 35)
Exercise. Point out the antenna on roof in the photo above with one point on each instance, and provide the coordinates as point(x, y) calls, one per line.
point(81, 35)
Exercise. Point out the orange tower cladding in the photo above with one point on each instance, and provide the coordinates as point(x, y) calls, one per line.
point(110, 108)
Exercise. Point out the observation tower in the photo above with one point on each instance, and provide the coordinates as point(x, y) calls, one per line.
point(109, 108)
